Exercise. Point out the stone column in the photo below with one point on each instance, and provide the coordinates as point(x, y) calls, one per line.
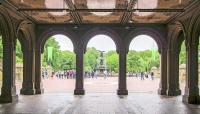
point(28, 73)
point(122, 88)
point(163, 72)
point(173, 72)
point(79, 89)
point(38, 82)
point(191, 90)
point(8, 90)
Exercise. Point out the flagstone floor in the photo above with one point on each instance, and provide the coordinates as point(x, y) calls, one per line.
point(100, 98)
point(99, 103)
point(100, 85)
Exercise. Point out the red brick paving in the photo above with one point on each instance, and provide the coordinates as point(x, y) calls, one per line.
point(100, 84)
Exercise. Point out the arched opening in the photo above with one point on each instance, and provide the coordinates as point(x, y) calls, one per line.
point(58, 64)
point(182, 61)
point(18, 66)
point(143, 65)
point(101, 65)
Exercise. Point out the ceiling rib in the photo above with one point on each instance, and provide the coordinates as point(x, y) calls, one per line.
point(98, 10)
point(127, 14)
point(73, 13)
point(22, 13)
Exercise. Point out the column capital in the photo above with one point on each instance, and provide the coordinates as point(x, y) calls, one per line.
point(122, 51)
point(163, 49)
point(28, 50)
point(79, 51)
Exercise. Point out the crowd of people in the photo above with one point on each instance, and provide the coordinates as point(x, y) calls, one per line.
point(65, 74)
point(95, 74)
point(142, 75)
point(71, 74)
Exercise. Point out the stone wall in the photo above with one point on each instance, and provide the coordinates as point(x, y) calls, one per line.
point(182, 72)
point(19, 72)
point(156, 71)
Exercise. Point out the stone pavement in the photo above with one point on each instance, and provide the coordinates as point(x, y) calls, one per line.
point(100, 98)
point(99, 103)
point(103, 85)
point(100, 85)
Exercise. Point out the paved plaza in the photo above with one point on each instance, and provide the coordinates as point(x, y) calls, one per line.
point(110, 84)
point(101, 85)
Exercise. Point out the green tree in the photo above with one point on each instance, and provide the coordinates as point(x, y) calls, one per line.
point(138, 61)
point(67, 60)
point(134, 62)
point(182, 54)
point(1, 48)
point(61, 60)
point(112, 60)
point(90, 59)
point(19, 53)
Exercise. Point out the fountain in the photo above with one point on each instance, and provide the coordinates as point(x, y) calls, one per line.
point(101, 65)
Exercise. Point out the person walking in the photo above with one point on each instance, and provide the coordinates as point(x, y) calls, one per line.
point(142, 75)
point(152, 76)
point(105, 74)
point(92, 74)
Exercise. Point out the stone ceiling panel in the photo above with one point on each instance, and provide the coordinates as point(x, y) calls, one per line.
point(62, 9)
point(152, 18)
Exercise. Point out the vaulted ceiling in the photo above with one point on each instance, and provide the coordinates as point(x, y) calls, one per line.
point(101, 11)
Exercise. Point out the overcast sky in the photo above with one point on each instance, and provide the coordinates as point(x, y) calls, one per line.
point(105, 43)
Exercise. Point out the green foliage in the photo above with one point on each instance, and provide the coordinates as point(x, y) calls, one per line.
point(61, 60)
point(182, 54)
point(19, 54)
point(134, 62)
point(1, 48)
point(141, 61)
point(112, 60)
point(90, 59)
point(67, 60)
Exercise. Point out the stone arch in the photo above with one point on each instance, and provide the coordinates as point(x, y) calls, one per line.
point(194, 30)
point(158, 37)
point(6, 27)
point(175, 39)
point(53, 31)
point(101, 30)
point(24, 36)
